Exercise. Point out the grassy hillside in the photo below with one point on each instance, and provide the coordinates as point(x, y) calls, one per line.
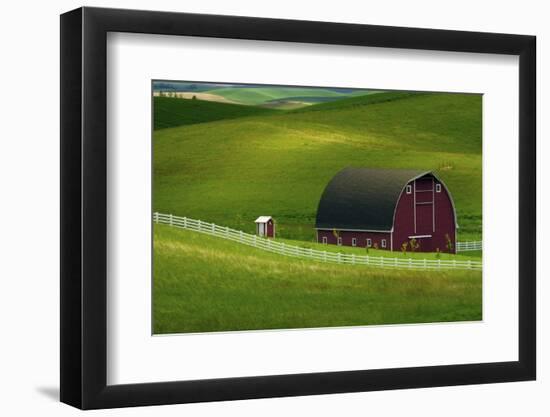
point(231, 171)
point(203, 283)
point(171, 112)
point(361, 100)
point(259, 95)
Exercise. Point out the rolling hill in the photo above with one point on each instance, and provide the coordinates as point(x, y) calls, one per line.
point(230, 170)
point(203, 283)
point(360, 100)
point(260, 95)
point(171, 112)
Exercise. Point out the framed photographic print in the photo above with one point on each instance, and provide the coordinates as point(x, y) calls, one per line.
point(257, 208)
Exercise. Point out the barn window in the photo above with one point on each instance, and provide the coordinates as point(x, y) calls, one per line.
point(324, 240)
point(383, 243)
point(437, 188)
point(369, 243)
point(339, 241)
point(354, 241)
point(409, 189)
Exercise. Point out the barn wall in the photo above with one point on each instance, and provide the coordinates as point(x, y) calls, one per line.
point(403, 224)
point(445, 222)
point(361, 237)
point(437, 222)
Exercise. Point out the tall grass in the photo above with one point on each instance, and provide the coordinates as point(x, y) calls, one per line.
point(205, 284)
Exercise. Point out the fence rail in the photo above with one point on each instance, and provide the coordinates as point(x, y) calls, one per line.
point(468, 246)
point(296, 251)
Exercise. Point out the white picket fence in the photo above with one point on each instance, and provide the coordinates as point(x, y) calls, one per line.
point(296, 251)
point(468, 246)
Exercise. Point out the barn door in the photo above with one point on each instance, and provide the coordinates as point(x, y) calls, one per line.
point(424, 219)
point(424, 206)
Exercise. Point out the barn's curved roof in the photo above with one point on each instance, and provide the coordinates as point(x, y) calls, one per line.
point(363, 198)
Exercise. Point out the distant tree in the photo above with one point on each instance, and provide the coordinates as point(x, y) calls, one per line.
point(413, 243)
point(194, 97)
point(375, 246)
point(404, 246)
point(437, 253)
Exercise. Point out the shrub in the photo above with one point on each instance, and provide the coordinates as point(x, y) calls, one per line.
point(413, 243)
point(449, 244)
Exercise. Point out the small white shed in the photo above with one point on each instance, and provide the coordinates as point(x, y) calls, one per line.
point(265, 226)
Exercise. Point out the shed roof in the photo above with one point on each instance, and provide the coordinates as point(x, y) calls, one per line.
point(263, 219)
point(363, 198)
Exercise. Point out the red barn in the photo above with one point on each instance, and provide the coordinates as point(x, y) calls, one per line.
point(265, 226)
point(386, 208)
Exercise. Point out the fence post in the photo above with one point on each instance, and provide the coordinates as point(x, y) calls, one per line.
point(410, 262)
point(439, 264)
point(255, 241)
point(213, 228)
point(339, 257)
point(454, 263)
point(395, 262)
point(156, 217)
point(353, 258)
point(185, 222)
point(324, 256)
point(368, 260)
point(240, 236)
point(425, 266)
point(469, 264)
point(171, 219)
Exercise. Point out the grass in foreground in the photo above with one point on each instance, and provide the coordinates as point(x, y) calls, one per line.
point(206, 284)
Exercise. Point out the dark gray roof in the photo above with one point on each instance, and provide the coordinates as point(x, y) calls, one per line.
point(363, 198)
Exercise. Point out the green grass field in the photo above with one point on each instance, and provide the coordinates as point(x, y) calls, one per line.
point(202, 283)
point(172, 112)
point(231, 171)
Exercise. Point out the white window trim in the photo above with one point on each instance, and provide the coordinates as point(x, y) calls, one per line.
point(383, 243)
point(339, 241)
point(437, 188)
point(409, 189)
point(369, 242)
point(353, 241)
point(325, 240)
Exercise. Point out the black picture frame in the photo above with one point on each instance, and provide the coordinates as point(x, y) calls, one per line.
point(84, 208)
